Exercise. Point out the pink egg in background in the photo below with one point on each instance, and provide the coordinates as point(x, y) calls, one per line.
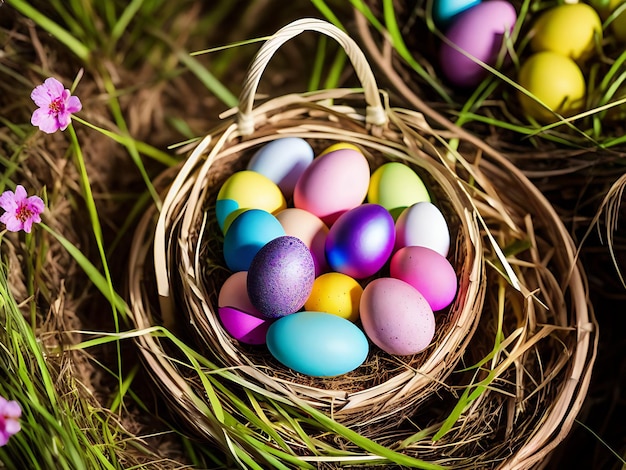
point(428, 272)
point(332, 184)
point(310, 229)
point(396, 317)
point(480, 32)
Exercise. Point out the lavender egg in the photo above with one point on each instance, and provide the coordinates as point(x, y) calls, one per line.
point(281, 277)
point(360, 242)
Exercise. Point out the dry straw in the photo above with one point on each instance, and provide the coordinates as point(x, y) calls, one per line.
point(510, 363)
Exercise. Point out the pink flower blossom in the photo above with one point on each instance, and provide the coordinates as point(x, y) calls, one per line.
point(10, 412)
point(56, 106)
point(21, 211)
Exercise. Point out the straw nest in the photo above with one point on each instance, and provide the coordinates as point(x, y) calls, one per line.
point(511, 360)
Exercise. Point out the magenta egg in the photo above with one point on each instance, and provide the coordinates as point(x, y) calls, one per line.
point(428, 272)
point(360, 241)
point(244, 327)
point(478, 32)
point(281, 277)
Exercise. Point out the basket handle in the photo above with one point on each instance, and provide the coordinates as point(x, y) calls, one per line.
point(375, 113)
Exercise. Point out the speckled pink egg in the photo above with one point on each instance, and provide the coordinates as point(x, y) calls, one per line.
point(281, 277)
point(332, 184)
point(396, 317)
point(428, 272)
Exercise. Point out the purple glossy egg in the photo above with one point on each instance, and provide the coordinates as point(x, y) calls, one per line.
point(281, 277)
point(478, 31)
point(360, 241)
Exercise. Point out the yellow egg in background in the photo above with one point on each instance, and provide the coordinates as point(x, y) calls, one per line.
point(618, 24)
point(572, 30)
point(339, 146)
point(335, 293)
point(554, 79)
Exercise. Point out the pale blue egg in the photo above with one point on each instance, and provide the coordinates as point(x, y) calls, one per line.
point(247, 234)
point(283, 161)
point(317, 344)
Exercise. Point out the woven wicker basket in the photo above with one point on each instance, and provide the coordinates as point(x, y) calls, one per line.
point(530, 303)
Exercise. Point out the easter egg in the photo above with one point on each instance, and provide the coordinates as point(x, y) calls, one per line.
point(308, 228)
point(247, 234)
point(444, 11)
point(569, 29)
point(479, 32)
point(242, 326)
point(335, 293)
point(317, 344)
point(333, 184)
point(339, 146)
point(428, 272)
point(618, 24)
point(283, 161)
point(554, 79)
point(247, 190)
point(423, 224)
point(360, 242)
point(396, 186)
point(396, 317)
point(234, 293)
point(238, 316)
point(281, 276)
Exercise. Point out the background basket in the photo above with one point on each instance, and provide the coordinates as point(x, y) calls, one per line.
point(504, 377)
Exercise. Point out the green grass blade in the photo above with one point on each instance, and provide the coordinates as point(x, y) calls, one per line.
point(73, 44)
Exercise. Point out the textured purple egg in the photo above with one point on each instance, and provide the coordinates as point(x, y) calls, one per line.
point(479, 31)
point(281, 277)
point(360, 241)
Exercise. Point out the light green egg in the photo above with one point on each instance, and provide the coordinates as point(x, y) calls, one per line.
point(395, 186)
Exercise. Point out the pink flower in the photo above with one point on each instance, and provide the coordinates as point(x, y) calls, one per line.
point(21, 211)
point(10, 412)
point(56, 106)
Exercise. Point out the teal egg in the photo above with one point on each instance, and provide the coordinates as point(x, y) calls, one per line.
point(444, 11)
point(247, 234)
point(317, 344)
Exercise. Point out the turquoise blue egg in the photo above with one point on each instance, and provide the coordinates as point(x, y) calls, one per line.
point(317, 344)
point(283, 161)
point(247, 234)
point(444, 11)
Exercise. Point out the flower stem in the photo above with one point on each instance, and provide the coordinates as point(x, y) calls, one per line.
point(97, 231)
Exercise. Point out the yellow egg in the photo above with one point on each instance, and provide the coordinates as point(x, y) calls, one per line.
point(569, 29)
point(340, 146)
point(618, 24)
point(247, 189)
point(555, 80)
point(335, 293)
